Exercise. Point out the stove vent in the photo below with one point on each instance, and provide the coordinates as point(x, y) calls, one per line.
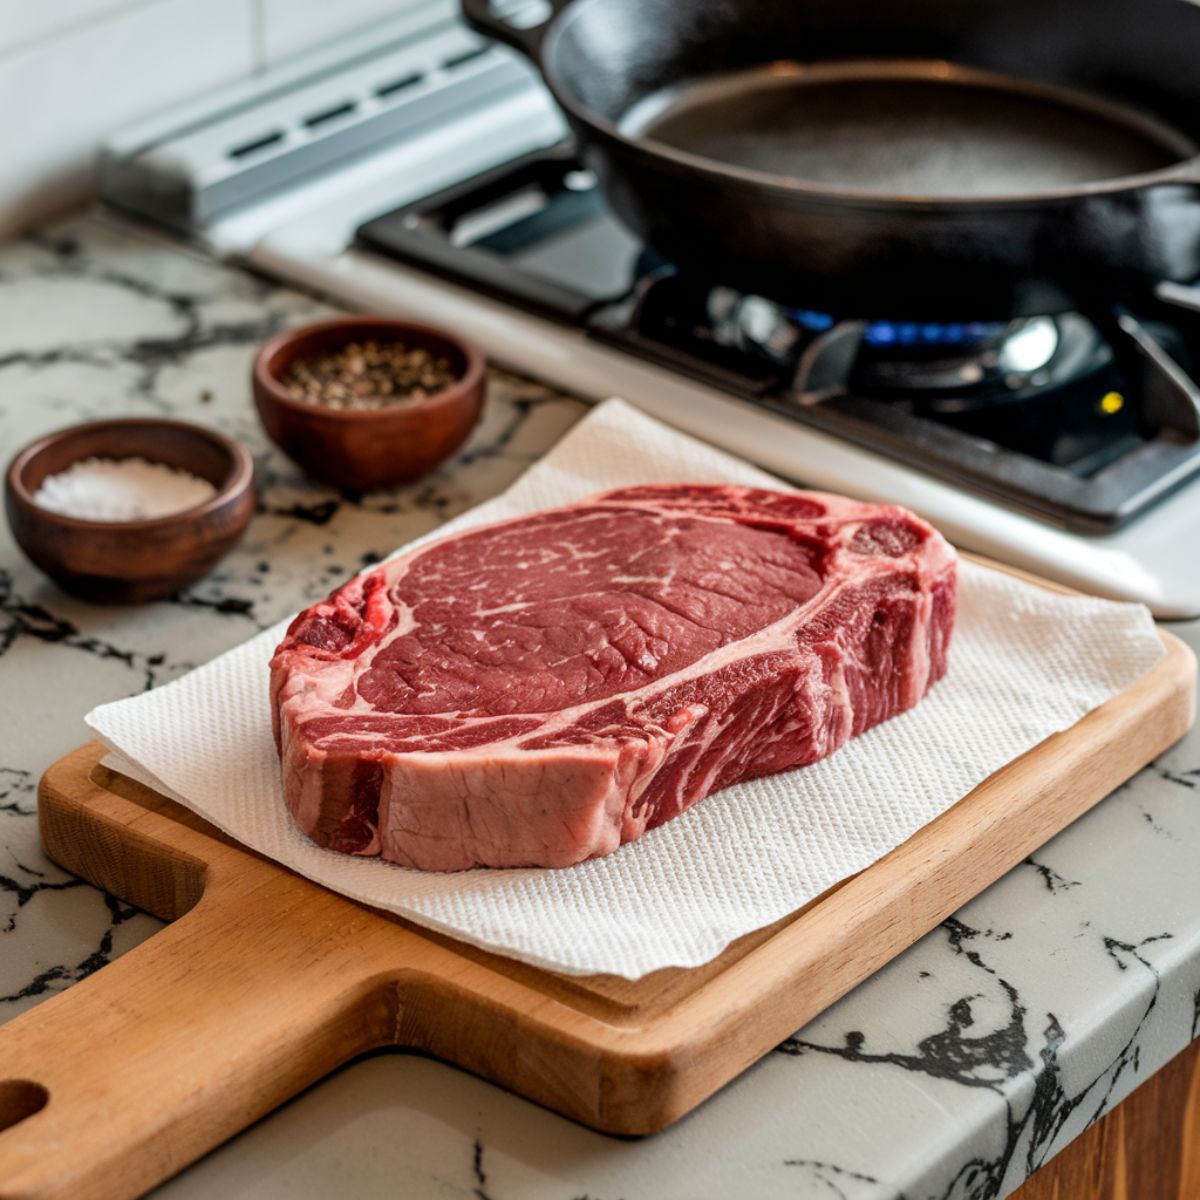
point(200, 162)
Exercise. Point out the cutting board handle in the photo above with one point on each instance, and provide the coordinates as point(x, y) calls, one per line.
point(125, 1078)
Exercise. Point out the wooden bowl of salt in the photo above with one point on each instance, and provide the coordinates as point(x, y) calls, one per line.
point(129, 510)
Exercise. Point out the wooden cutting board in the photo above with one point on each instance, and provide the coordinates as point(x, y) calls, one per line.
point(265, 982)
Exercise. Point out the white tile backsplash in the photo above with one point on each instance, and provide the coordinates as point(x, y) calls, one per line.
point(61, 94)
point(292, 26)
point(73, 72)
point(23, 22)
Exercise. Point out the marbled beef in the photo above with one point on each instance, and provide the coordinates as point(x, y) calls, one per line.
point(538, 691)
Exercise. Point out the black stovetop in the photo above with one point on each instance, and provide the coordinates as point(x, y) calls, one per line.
point(1085, 420)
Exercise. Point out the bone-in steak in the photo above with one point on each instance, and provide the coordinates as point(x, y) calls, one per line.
point(538, 691)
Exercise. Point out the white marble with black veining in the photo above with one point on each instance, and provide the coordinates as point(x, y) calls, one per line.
point(953, 1073)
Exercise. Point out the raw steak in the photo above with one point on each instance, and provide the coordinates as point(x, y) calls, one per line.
point(538, 691)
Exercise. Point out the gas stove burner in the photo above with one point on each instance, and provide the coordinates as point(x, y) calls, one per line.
point(958, 368)
point(931, 336)
point(1087, 419)
point(949, 367)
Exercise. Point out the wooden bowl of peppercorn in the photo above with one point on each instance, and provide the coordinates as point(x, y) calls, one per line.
point(366, 403)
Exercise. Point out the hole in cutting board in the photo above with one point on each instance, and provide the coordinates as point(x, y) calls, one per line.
point(20, 1098)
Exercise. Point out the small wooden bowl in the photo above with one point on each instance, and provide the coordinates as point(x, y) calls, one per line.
point(366, 450)
point(131, 562)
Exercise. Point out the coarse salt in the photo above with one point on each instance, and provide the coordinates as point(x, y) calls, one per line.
point(121, 489)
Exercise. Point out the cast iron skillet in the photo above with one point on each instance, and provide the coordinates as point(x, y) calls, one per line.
point(924, 158)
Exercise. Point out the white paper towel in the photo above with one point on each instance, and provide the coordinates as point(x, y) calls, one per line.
point(1024, 663)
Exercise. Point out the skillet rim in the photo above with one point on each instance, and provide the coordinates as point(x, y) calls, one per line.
point(1185, 173)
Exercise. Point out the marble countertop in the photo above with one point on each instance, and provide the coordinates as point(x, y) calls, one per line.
point(951, 1074)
